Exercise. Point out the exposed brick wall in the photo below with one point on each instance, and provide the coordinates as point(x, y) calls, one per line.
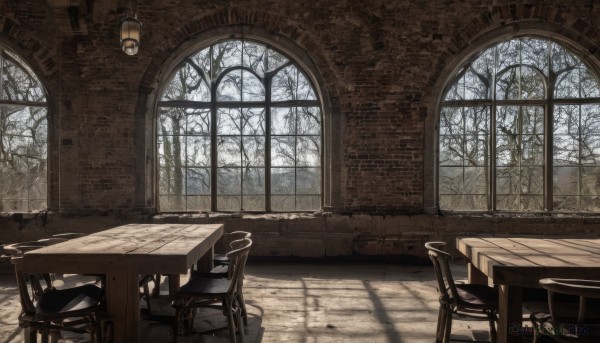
point(382, 63)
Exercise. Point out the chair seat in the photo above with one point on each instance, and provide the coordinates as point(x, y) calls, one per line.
point(220, 271)
point(69, 302)
point(477, 295)
point(202, 286)
point(220, 259)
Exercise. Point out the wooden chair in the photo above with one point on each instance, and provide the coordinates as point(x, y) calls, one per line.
point(49, 311)
point(219, 293)
point(220, 258)
point(479, 302)
point(561, 325)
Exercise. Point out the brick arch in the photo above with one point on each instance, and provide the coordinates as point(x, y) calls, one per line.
point(265, 27)
point(500, 22)
point(27, 44)
point(223, 20)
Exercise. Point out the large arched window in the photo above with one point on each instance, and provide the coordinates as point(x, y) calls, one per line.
point(23, 137)
point(239, 129)
point(520, 131)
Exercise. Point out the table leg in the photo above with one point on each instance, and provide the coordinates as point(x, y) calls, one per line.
point(475, 275)
point(123, 305)
point(510, 314)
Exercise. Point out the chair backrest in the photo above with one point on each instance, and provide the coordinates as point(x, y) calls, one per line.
point(238, 257)
point(224, 245)
point(582, 288)
point(16, 251)
point(441, 265)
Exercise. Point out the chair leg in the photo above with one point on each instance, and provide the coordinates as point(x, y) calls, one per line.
point(230, 321)
point(439, 332)
point(447, 326)
point(177, 324)
point(492, 328)
point(242, 305)
point(240, 324)
point(30, 335)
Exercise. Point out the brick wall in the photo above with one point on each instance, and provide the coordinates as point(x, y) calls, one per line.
point(381, 64)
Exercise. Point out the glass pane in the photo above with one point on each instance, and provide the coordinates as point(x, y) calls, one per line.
point(566, 119)
point(562, 59)
point(229, 121)
point(566, 150)
point(451, 150)
point(202, 60)
point(253, 203)
point(451, 121)
point(532, 119)
point(171, 121)
point(282, 151)
point(476, 86)
point(285, 84)
point(567, 85)
point(255, 57)
point(477, 120)
point(283, 121)
point(229, 181)
point(252, 87)
point(508, 202)
point(590, 181)
point(198, 203)
point(591, 204)
point(508, 54)
point(308, 181)
point(230, 86)
point(451, 180)
point(198, 122)
point(308, 151)
point(253, 121)
point(229, 151)
point(198, 181)
point(171, 181)
point(171, 151)
point(309, 121)
point(463, 202)
point(532, 180)
point(282, 181)
point(566, 203)
point(253, 153)
point(304, 90)
point(565, 181)
point(283, 203)
point(534, 52)
point(276, 60)
point(171, 203)
point(308, 203)
point(198, 151)
point(532, 203)
point(187, 84)
point(226, 54)
point(18, 84)
point(254, 181)
point(507, 181)
point(476, 153)
point(588, 84)
point(229, 203)
point(532, 150)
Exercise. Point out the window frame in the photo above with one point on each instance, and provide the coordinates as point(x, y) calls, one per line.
point(16, 58)
point(320, 102)
point(549, 102)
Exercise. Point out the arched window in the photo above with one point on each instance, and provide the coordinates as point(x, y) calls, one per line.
point(520, 131)
point(239, 129)
point(23, 136)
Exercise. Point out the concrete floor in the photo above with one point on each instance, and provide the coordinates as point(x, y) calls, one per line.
point(307, 303)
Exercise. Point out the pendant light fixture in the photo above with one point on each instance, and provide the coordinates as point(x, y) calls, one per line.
point(131, 30)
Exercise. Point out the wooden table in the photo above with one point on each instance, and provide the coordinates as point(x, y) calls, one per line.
point(514, 263)
point(125, 252)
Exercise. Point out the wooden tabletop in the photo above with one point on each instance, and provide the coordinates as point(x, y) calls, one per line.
point(133, 248)
point(523, 261)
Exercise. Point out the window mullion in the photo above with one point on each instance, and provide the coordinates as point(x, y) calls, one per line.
point(267, 81)
point(549, 136)
point(213, 136)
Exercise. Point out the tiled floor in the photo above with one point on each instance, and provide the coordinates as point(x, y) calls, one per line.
point(308, 303)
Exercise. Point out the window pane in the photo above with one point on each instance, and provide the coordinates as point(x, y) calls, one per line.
point(254, 181)
point(230, 87)
point(451, 150)
point(198, 181)
point(534, 52)
point(198, 122)
point(18, 84)
point(198, 203)
point(198, 151)
point(566, 181)
point(308, 203)
point(283, 181)
point(171, 203)
point(253, 203)
point(308, 181)
point(171, 121)
point(308, 151)
point(276, 60)
point(283, 121)
point(171, 180)
point(282, 151)
point(283, 203)
point(590, 179)
point(253, 153)
point(229, 151)
point(253, 121)
point(309, 120)
point(187, 84)
point(229, 121)
point(229, 181)
point(252, 88)
point(255, 57)
point(591, 204)
point(226, 54)
point(229, 203)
